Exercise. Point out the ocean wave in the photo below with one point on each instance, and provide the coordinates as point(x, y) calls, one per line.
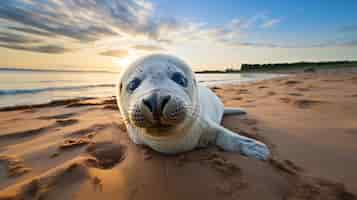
point(38, 90)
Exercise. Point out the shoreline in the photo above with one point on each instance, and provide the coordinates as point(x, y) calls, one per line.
point(68, 101)
point(53, 103)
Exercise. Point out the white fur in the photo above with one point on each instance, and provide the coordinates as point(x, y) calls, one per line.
point(199, 130)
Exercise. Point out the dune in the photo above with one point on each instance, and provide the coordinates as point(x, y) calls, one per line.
point(79, 149)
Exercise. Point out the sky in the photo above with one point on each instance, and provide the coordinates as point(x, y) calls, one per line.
point(208, 35)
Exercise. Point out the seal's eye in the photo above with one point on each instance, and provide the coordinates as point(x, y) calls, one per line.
point(133, 84)
point(179, 79)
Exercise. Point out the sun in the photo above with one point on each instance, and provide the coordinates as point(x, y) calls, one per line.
point(123, 62)
point(127, 60)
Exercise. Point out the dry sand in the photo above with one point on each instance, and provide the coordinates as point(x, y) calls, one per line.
point(78, 149)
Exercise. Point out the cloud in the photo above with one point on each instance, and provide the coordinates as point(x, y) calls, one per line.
point(15, 38)
point(78, 20)
point(148, 47)
point(31, 31)
point(50, 49)
point(257, 44)
point(115, 53)
point(270, 23)
point(30, 25)
point(230, 33)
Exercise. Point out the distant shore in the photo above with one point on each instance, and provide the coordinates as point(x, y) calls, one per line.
point(286, 67)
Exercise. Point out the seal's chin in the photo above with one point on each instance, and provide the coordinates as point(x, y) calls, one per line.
point(159, 129)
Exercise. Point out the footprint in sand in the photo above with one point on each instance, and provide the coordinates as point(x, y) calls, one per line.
point(285, 99)
point(249, 101)
point(82, 137)
point(352, 131)
point(286, 166)
point(333, 80)
point(243, 91)
point(302, 103)
point(72, 143)
point(107, 154)
point(221, 164)
point(303, 89)
point(61, 179)
point(110, 107)
point(249, 122)
point(295, 94)
point(307, 103)
point(67, 122)
point(111, 101)
point(307, 187)
point(314, 188)
point(30, 110)
point(237, 98)
point(13, 166)
point(271, 93)
point(86, 102)
point(81, 104)
point(110, 104)
point(60, 116)
point(291, 82)
point(92, 129)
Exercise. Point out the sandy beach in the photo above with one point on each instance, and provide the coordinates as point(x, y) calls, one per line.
point(79, 149)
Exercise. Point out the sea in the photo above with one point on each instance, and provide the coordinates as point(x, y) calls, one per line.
point(25, 87)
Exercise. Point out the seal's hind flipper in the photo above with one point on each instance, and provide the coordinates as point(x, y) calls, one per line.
point(234, 111)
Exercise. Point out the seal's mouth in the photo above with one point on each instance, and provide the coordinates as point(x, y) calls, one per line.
point(160, 131)
point(160, 126)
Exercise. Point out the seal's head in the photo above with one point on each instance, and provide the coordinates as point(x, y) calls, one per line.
point(158, 93)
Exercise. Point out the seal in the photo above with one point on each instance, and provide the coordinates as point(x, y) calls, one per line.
point(164, 108)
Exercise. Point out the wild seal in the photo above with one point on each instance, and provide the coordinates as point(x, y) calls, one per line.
point(165, 109)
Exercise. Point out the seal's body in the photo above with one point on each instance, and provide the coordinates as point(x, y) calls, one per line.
point(165, 109)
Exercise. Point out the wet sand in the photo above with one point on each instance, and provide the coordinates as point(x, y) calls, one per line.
point(79, 149)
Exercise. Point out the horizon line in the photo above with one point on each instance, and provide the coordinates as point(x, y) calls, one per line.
point(109, 71)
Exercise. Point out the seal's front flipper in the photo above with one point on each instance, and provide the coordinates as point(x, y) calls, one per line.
point(234, 111)
point(231, 141)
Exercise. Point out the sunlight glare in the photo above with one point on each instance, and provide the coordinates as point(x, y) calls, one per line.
point(124, 62)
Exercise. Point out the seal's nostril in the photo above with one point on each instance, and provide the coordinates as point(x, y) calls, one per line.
point(164, 101)
point(147, 103)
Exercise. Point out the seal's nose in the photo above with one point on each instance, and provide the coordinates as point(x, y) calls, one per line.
point(156, 104)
